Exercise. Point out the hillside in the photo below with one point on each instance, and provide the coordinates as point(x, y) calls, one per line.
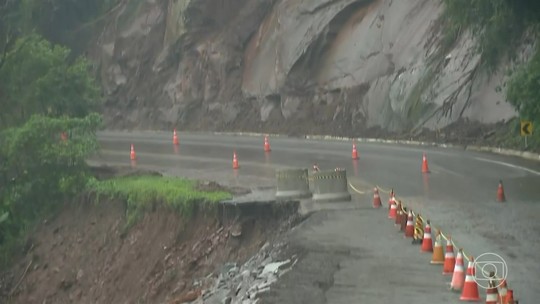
point(418, 68)
point(337, 67)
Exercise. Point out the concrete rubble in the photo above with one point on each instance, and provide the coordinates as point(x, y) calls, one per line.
point(242, 284)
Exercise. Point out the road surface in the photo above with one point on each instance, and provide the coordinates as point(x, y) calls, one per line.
point(356, 254)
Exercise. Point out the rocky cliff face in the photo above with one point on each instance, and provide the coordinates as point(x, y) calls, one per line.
point(342, 67)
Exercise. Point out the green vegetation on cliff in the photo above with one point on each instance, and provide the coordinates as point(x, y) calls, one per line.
point(38, 78)
point(45, 90)
point(501, 26)
point(524, 93)
point(60, 21)
point(140, 192)
point(498, 24)
point(39, 170)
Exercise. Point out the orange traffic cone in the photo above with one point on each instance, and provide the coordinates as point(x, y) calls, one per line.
point(391, 199)
point(470, 287)
point(398, 214)
point(503, 291)
point(175, 138)
point(354, 152)
point(133, 156)
point(376, 198)
point(438, 255)
point(427, 243)
point(500, 193)
point(449, 258)
point(235, 164)
point(425, 168)
point(509, 299)
point(266, 144)
point(458, 277)
point(392, 212)
point(409, 229)
point(492, 296)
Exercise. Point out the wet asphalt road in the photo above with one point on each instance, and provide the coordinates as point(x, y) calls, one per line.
point(458, 195)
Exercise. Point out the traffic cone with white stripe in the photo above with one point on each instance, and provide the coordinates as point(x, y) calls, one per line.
point(392, 212)
point(175, 138)
point(391, 199)
point(438, 255)
point(458, 277)
point(470, 287)
point(132, 155)
point(266, 144)
point(398, 214)
point(376, 198)
point(354, 152)
point(425, 168)
point(492, 296)
point(427, 243)
point(503, 290)
point(449, 258)
point(500, 193)
point(409, 229)
point(235, 164)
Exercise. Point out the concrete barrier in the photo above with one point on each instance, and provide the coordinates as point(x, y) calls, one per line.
point(292, 183)
point(330, 186)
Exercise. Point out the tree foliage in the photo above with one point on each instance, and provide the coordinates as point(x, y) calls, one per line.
point(38, 169)
point(38, 78)
point(498, 24)
point(524, 89)
point(51, 17)
point(45, 89)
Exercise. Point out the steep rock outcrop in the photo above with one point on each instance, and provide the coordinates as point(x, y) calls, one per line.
point(344, 67)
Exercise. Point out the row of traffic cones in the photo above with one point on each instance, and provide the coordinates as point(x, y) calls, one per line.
point(425, 166)
point(393, 212)
point(452, 265)
point(355, 156)
point(176, 141)
point(267, 148)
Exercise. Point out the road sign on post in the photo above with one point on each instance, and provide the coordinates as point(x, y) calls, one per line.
point(526, 128)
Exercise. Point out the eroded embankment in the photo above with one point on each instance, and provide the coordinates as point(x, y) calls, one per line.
point(87, 255)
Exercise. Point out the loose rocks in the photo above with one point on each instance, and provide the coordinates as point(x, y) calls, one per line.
point(243, 284)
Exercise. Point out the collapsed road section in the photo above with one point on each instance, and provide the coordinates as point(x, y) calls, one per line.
point(89, 254)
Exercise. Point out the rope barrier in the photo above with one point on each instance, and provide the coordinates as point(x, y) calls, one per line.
point(383, 190)
point(446, 238)
point(356, 190)
point(465, 255)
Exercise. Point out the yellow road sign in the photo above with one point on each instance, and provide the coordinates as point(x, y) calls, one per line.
point(526, 128)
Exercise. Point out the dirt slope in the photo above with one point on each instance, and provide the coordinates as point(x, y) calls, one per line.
point(84, 255)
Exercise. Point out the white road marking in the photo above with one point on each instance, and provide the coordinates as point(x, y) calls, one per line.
point(508, 165)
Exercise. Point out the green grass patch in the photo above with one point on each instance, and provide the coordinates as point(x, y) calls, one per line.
point(142, 193)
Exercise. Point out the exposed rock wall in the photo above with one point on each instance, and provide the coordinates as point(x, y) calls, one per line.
point(344, 67)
